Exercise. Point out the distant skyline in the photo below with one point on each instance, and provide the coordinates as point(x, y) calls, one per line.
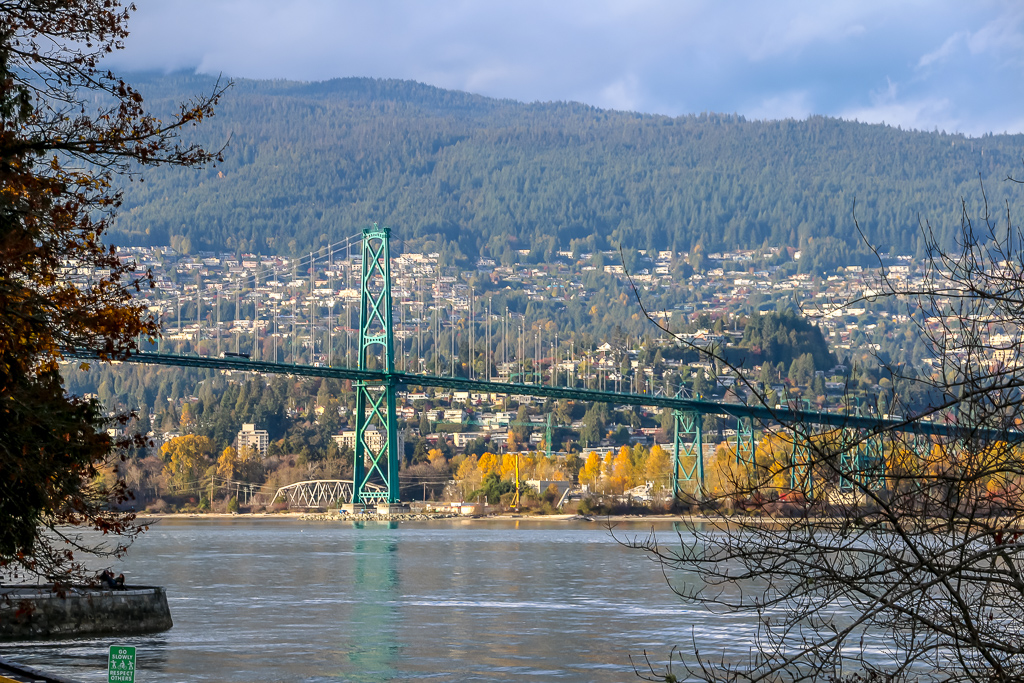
point(951, 66)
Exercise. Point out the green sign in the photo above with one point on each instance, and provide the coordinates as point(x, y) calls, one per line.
point(121, 665)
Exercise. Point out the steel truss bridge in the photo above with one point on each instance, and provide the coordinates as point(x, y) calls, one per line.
point(322, 493)
point(377, 383)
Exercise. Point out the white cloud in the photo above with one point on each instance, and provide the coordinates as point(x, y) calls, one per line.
point(790, 105)
point(944, 51)
point(622, 94)
point(890, 105)
point(1002, 37)
point(487, 78)
point(789, 28)
point(921, 114)
point(956, 63)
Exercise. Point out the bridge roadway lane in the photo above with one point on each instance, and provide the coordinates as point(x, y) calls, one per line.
point(402, 379)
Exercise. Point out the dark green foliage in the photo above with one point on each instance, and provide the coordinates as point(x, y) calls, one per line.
point(620, 436)
point(783, 337)
point(700, 385)
point(492, 488)
point(309, 163)
point(478, 446)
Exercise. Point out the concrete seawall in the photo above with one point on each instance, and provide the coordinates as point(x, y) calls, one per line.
point(33, 612)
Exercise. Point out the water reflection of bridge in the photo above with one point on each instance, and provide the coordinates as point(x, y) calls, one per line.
point(322, 493)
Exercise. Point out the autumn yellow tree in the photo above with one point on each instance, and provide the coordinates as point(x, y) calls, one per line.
point(546, 468)
point(510, 462)
point(722, 474)
point(487, 463)
point(436, 457)
point(591, 472)
point(187, 421)
point(227, 462)
point(512, 441)
point(185, 459)
point(468, 475)
point(658, 467)
point(250, 464)
point(607, 470)
point(621, 472)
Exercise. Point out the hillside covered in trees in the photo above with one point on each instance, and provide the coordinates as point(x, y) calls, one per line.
point(308, 163)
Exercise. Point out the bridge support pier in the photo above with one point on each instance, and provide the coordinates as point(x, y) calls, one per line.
point(871, 456)
point(861, 463)
point(745, 444)
point(801, 473)
point(687, 456)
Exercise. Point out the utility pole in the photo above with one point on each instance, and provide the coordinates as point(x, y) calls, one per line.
point(469, 356)
point(348, 312)
point(256, 350)
point(199, 310)
point(419, 328)
point(276, 291)
point(295, 321)
point(400, 358)
point(199, 325)
point(554, 360)
point(515, 495)
point(537, 353)
point(330, 311)
point(312, 310)
point(238, 316)
point(522, 351)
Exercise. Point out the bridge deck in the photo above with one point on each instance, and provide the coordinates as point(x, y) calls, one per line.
point(761, 413)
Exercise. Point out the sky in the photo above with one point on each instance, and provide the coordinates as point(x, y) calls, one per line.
point(953, 66)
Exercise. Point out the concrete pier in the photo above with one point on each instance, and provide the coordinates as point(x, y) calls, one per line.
point(37, 612)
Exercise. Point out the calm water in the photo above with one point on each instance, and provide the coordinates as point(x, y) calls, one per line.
point(288, 600)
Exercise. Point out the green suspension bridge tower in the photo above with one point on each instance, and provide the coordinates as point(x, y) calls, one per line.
point(687, 451)
point(376, 448)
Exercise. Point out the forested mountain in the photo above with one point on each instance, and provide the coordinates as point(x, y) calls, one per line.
point(308, 163)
